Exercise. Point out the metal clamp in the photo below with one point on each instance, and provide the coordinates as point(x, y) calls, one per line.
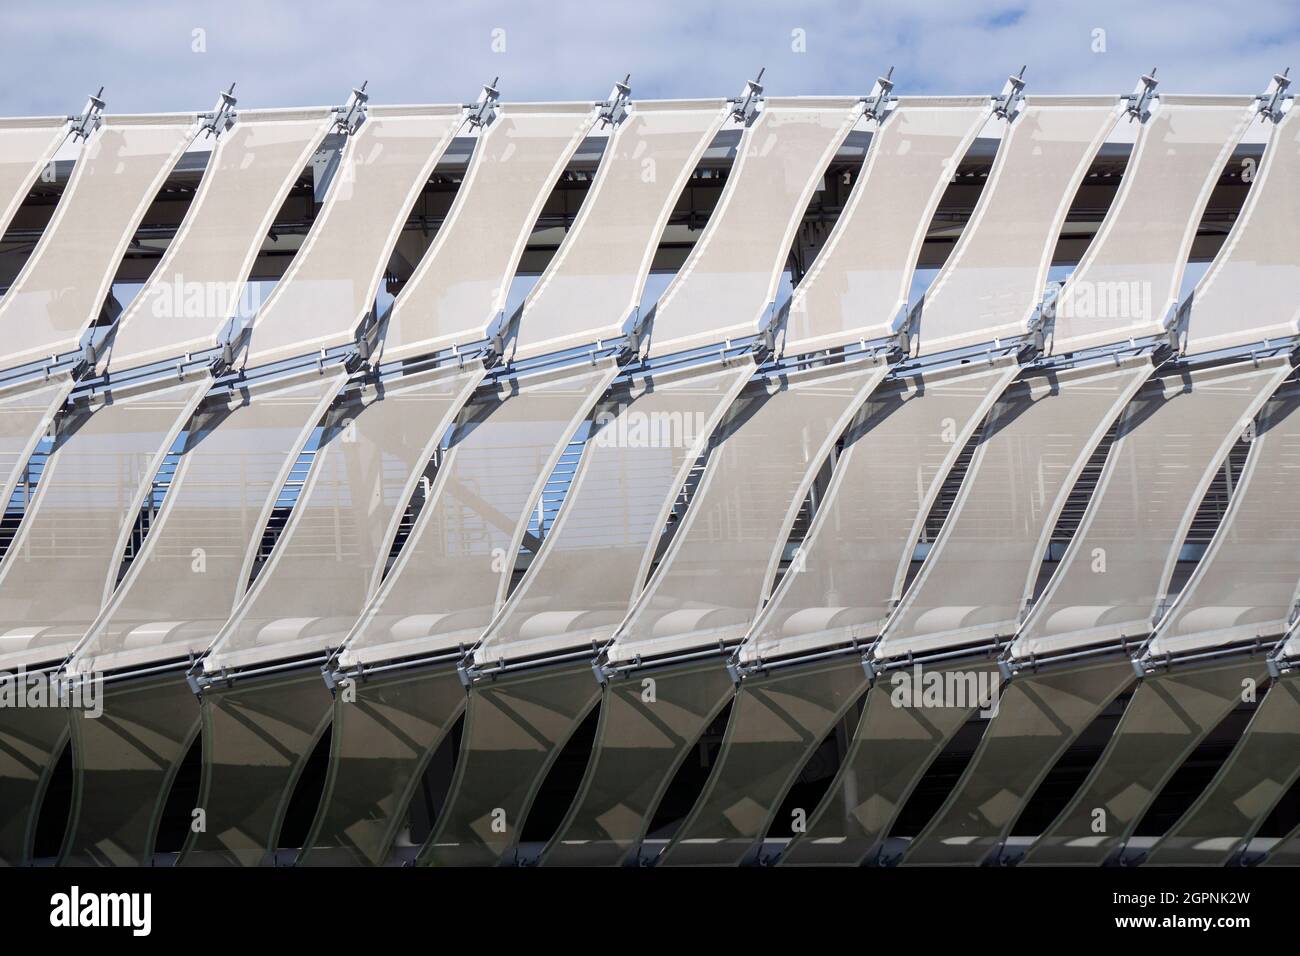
point(746, 105)
point(484, 110)
point(1007, 103)
point(1270, 105)
point(614, 109)
point(879, 100)
point(1139, 101)
point(353, 113)
point(222, 116)
point(91, 117)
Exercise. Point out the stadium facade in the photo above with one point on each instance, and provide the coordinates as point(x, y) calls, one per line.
point(787, 481)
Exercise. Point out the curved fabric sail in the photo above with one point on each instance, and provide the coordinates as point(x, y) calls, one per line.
point(1246, 585)
point(27, 146)
point(725, 553)
point(196, 560)
point(858, 285)
point(1120, 564)
point(197, 286)
point(595, 558)
point(1249, 293)
point(727, 287)
point(373, 451)
point(453, 572)
point(595, 282)
point(850, 567)
point(121, 168)
point(330, 286)
point(62, 564)
point(459, 290)
point(981, 571)
point(1128, 282)
point(31, 741)
point(994, 279)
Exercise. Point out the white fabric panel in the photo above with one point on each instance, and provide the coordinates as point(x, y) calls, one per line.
point(1251, 291)
point(26, 147)
point(331, 285)
point(26, 414)
point(196, 559)
point(196, 287)
point(62, 287)
point(454, 570)
point(1246, 584)
point(859, 283)
point(332, 552)
point(994, 279)
point(727, 286)
point(724, 556)
point(460, 288)
point(1127, 283)
point(63, 561)
point(849, 570)
point(983, 565)
point(595, 558)
point(1172, 441)
point(595, 281)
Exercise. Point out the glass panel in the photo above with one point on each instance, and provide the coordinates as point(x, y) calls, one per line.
point(120, 170)
point(776, 724)
point(895, 742)
point(124, 762)
point(995, 277)
point(645, 733)
point(461, 285)
point(727, 286)
point(1038, 718)
point(256, 739)
point(31, 742)
point(1256, 775)
point(379, 747)
point(196, 287)
point(1167, 718)
point(515, 727)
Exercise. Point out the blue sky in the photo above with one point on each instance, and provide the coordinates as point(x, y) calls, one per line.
point(154, 56)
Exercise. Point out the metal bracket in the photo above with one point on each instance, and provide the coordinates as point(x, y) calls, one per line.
point(746, 107)
point(614, 110)
point(1270, 105)
point(1139, 101)
point(1007, 103)
point(484, 110)
point(353, 113)
point(222, 116)
point(879, 100)
point(91, 117)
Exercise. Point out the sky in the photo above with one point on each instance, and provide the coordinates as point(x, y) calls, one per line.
point(174, 56)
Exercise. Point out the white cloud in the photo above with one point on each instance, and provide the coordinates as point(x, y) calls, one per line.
point(285, 54)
